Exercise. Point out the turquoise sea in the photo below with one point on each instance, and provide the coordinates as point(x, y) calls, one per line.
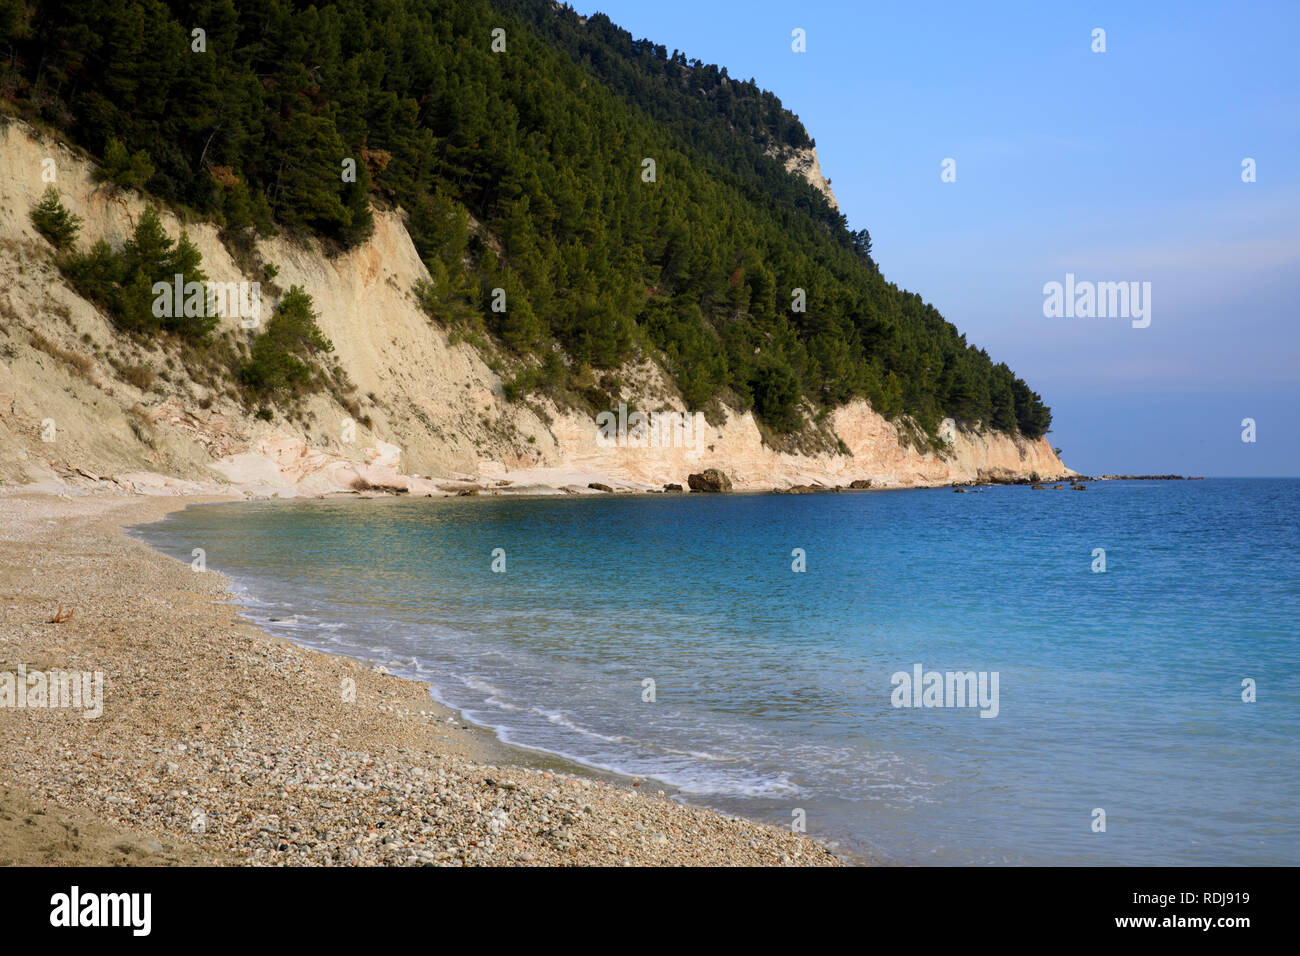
point(773, 689)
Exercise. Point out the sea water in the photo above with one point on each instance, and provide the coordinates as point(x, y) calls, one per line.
point(749, 651)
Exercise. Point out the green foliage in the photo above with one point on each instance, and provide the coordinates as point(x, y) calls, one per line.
point(135, 285)
point(308, 192)
point(282, 359)
point(522, 178)
point(12, 18)
point(245, 216)
point(127, 170)
point(776, 396)
point(95, 274)
point(53, 221)
point(547, 376)
point(691, 351)
point(1032, 416)
point(359, 221)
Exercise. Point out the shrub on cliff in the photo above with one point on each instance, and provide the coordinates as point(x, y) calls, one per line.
point(53, 221)
point(121, 282)
point(124, 169)
point(282, 358)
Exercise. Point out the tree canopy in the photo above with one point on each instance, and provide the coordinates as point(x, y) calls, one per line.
point(519, 158)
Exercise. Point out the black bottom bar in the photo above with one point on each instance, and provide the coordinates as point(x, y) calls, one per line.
point(338, 906)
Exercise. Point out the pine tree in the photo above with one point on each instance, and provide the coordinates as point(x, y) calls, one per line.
point(281, 360)
point(53, 221)
point(123, 169)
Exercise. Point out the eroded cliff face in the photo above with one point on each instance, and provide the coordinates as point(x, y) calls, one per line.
point(438, 421)
point(438, 403)
point(735, 447)
point(803, 162)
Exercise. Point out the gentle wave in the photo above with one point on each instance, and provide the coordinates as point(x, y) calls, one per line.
point(772, 690)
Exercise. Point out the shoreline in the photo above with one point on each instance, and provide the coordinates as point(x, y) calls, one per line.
point(224, 743)
point(483, 741)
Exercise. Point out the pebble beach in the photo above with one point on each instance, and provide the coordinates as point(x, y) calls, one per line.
point(219, 743)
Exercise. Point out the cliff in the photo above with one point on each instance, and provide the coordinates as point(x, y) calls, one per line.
point(803, 163)
point(75, 410)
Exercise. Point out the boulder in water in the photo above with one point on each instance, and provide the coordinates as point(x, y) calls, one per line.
point(709, 480)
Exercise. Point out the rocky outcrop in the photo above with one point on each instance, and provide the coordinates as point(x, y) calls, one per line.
point(803, 163)
point(804, 490)
point(711, 479)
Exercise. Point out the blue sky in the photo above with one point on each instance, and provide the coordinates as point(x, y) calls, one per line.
point(1115, 166)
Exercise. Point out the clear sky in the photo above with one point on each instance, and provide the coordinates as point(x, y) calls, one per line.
point(1117, 166)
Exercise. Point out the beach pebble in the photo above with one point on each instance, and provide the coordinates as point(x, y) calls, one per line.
point(264, 763)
